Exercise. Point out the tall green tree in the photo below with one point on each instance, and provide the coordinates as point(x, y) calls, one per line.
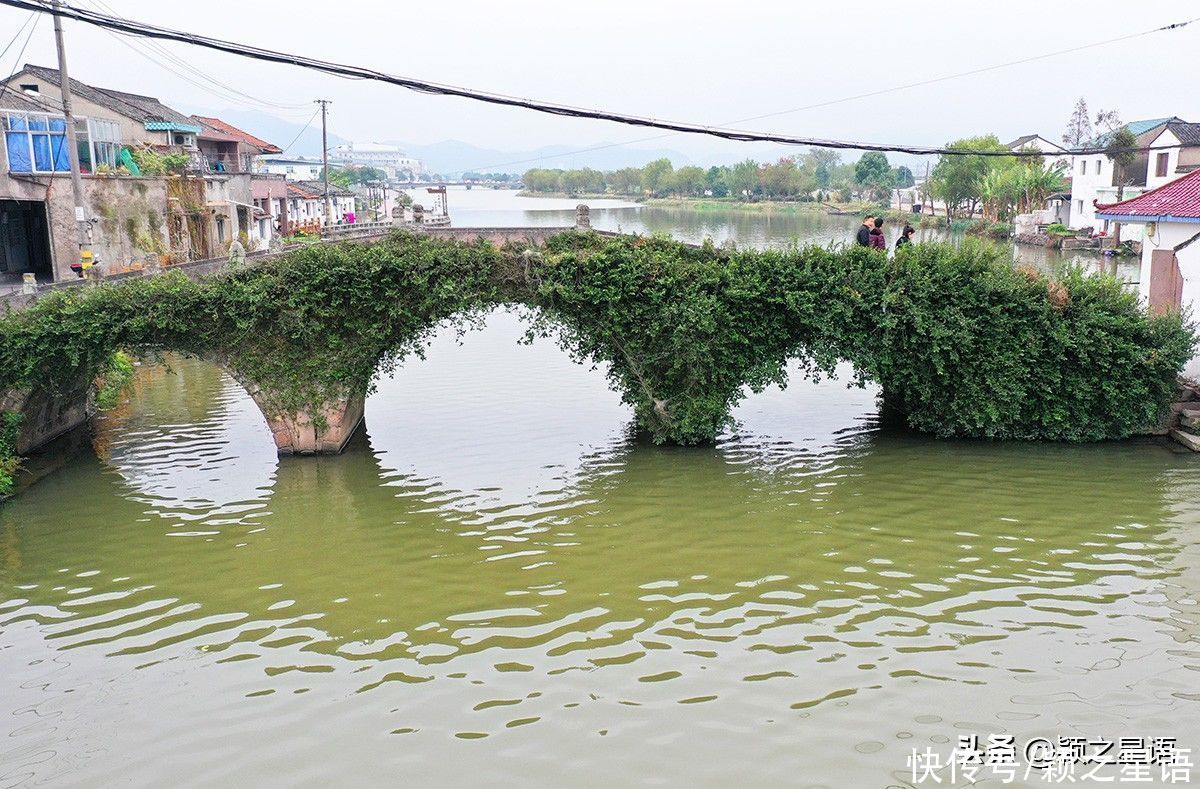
point(957, 179)
point(874, 174)
point(689, 181)
point(1120, 151)
point(743, 178)
point(715, 182)
point(821, 162)
point(904, 177)
point(656, 175)
point(626, 181)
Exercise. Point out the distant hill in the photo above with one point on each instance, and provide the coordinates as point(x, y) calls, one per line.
point(281, 132)
point(454, 156)
point(450, 156)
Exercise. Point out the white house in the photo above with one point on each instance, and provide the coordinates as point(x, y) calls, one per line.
point(1170, 270)
point(292, 169)
point(342, 200)
point(389, 158)
point(1176, 153)
point(1092, 174)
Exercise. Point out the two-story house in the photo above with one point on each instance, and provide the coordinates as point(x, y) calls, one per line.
point(1093, 176)
point(142, 119)
point(226, 148)
point(1177, 153)
point(25, 238)
point(203, 207)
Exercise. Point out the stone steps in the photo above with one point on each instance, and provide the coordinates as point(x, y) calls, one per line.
point(1189, 440)
point(1183, 422)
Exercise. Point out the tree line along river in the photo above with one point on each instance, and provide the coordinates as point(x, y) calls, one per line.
point(498, 584)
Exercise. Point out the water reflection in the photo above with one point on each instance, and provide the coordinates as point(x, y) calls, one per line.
point(496, 577)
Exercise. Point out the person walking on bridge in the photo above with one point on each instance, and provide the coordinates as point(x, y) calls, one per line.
point(875, 237)
point(863, 239)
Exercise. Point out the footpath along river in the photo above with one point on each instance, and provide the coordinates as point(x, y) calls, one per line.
point(498, 585)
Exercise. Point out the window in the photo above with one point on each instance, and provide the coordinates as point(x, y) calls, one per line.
point(1160, 164)
point(290, 170)
point(105, 137)
point(1079, 206)
point(1083, 167)
point(36, 142)
point(31, 88)
point(1099, 162)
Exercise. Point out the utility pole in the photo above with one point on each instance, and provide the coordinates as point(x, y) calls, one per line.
point(81, 220)
point(325, 161)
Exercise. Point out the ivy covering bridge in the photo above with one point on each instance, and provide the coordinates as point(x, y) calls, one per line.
point(961, 343)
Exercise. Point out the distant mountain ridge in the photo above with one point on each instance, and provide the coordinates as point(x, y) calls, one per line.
point(453, 156)
point(449, 156)
point(280, 132)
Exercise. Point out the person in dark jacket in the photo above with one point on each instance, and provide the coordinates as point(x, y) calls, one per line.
point(863, 239)
point(905, 237)
point(875, 237)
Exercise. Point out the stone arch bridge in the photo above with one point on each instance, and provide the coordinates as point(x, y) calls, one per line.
point(961, 343)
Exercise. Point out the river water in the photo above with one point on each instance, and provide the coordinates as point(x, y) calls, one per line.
point(497, 584)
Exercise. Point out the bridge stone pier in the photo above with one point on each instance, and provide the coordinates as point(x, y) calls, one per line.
point(46, 416)
point(305, 432)
point(326, 434)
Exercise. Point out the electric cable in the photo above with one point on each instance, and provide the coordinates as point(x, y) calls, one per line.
point(422, 86)
point(867, 95)
point(221, 89)
point(297, 137)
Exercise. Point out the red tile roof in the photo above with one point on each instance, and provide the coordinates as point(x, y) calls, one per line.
point(244, 136)
point(296, 191)
point(262, 188)
point(1179, 199)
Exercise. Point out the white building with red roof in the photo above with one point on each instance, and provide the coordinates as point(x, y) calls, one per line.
point(1170, 272)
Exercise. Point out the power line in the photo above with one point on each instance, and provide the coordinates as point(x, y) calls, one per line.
point(17, 35)
point(21, 54)
point(182, 76)
point(422, 86)
point(297, 137)
point(873, 93)
point(222, 90)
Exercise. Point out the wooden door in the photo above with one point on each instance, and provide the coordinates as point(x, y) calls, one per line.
point(1166, 282)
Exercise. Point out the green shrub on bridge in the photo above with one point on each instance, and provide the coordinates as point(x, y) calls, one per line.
point(961, 343)
point(969, 346)
point(686, 330)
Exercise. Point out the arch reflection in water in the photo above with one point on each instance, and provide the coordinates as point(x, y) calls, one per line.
point(188, 439)
point(809, 599)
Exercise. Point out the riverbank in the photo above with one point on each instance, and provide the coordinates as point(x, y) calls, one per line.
point(581, 196)
point(758, 207)
point(725, 204)
point(715, 204)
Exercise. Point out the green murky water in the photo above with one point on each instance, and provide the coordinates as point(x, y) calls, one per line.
point(498, 585)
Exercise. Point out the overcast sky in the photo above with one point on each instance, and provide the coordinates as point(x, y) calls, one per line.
point(701, 61)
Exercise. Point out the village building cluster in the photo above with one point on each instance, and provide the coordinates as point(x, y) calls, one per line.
point(1155, 203)
point(216, 183)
